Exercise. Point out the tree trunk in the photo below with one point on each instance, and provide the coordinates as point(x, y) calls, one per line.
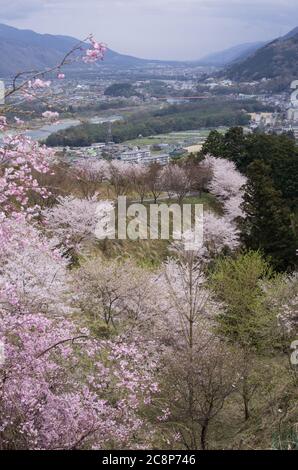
point(246, 409)
point(204, 436)
point(245, 395)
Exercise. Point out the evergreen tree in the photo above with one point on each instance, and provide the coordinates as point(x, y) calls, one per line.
point(214, 145)
point(234, 145)
point(280, 153)
point(267, 222)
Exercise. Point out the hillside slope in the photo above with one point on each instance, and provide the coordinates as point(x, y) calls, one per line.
point(276, 60)
point(233, 54)
point(26, 50)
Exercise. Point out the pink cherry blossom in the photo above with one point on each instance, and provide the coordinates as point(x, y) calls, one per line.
point(226, 184)
point(73, 221)
point(19, 156)
point(96, 53)
point(63, 389)
point(39, 84)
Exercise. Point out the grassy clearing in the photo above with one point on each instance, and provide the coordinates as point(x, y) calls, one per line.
point(173, 137)
point(151, 253)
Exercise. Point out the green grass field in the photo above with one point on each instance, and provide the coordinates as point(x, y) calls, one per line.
point(173, 137)
point(151, 253)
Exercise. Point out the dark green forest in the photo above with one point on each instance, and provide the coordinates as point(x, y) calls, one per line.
point(208, 114)
point(270, 163)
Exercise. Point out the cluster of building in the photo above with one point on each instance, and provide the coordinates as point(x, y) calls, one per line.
point(115, 151)
point(213, 82)
point(278, 122)
point(263, 120)
point(161, 152)
point(75, 93)
point(144, 155)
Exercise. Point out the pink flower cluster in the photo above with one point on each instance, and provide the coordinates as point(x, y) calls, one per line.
point(60, 387)
point(34, 273)
point(63, 390)
point(19, 156)
point(39, 84)
point(95, 53)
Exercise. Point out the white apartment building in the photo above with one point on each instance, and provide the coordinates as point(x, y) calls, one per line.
point(138, 155)
point(162, 159)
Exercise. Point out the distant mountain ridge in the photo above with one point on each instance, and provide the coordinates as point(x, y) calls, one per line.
point(291, 34)
point(26, 50)
point(276, 60)
point(232, 54)
point(23, 50)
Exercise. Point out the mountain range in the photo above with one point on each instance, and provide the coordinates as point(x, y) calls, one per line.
point(232, 54)
point(276, 60)
point(22, 50)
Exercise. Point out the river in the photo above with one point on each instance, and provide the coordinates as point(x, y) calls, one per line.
point(44, 131)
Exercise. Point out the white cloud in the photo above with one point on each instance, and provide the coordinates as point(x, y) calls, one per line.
point(18, 8)
point(15, 9)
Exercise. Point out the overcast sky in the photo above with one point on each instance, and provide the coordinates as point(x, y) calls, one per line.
point(161, 29)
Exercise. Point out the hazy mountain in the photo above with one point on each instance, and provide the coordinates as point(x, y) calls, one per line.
point(291, 34)
point(26, 50)
point(277, 60)
point(232, 54)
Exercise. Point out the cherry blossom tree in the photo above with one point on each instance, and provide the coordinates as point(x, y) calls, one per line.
point(226, 181)
point(282, 295)
point(73, 221)
point(33, 273)
point(198, 383)
point(175, 180)
point(219, 233)
point(19, 158)
point(34, 85)
point(226, 184)
point(50, 115)
point(89, 174)
point(120, 294)
point(19, 155)
point(62, 389)
point(120, 176)
point(154, 182)
point(139, 180)
point(199, 370)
